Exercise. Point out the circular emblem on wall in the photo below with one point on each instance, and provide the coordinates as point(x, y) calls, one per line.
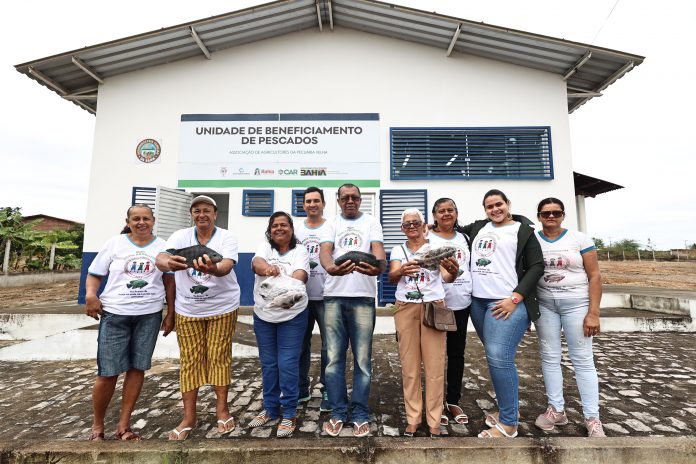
point(148, 150)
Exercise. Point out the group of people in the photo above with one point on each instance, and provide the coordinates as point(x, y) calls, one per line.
point(503, 274)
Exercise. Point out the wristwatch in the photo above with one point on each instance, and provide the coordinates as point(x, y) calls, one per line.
point(515, 299)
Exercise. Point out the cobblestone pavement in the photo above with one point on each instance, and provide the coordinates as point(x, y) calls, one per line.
point(647, 388)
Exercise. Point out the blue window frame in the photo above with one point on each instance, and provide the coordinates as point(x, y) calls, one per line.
point(257, 202)
point(469, 153)
point(296, 207)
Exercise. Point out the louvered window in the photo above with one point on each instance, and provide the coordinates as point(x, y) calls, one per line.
point(391, 204)
point(367, 205)
point(297, 200)
point(257, 202)
point(471, 153)
point(144, 195)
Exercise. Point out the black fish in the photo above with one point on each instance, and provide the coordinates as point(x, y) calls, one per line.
point(357, 257)
point(194, 252)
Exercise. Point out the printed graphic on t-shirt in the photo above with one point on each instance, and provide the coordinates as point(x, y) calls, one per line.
point(351, 239)
point(138, 267)
point(311, 243)
point(199, 280)
point(485, 245)
point(555, 265)
point(414, 283)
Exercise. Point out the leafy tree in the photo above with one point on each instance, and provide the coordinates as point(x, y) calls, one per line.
point(626, 244)
point(12, 229)
point(598, 242)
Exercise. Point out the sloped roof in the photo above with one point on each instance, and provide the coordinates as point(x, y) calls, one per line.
point(75, 75)
point(589, 186)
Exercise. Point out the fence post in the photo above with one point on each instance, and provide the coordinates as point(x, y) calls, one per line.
point(608, 256)
point(653, 252)
point(638, 255)
point(6, 259)
point(623, 253)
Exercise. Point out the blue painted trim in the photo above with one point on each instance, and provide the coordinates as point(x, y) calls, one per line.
point(87, 258)
point(267, 213)
point(386, 291)
point(140, 246)
point(245, 278)
point(298, 212)
point(589, 248)
point(329, 117)
point(230, 117)
point(548, 240)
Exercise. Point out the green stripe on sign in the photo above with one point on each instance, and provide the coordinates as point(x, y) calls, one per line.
point(275, 182)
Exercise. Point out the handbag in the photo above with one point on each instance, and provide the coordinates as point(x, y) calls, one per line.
point(439, 317)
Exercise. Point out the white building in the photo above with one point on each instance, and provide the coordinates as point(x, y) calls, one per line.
point(431, 106)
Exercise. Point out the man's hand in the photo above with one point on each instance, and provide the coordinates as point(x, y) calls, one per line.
point(93, 307)
point(344, 269)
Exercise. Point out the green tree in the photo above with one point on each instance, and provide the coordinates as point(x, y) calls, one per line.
point(626, 244)
point(598, 243)
point(13, 229)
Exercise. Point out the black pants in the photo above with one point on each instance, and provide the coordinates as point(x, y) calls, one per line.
point(456, 342)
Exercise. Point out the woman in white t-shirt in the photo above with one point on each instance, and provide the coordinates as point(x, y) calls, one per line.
point(458, 299)
point(418, 343)
point(280, 331)
point(131, 313)
point(569, 294)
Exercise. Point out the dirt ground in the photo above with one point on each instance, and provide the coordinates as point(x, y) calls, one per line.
point(641, 274)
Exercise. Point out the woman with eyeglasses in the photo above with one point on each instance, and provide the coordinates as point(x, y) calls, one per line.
point(419, 344)
point(569, 295)
point(506, 263)
point(458, 299)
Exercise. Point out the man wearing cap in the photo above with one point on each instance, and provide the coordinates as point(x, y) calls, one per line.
point(207, 298)
point(349, 309)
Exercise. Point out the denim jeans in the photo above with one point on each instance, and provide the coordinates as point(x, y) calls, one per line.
point(349, 319)
point(500, 339)
point(316, 313)
point(279, 352)
point(569, 315)
point(126, 342)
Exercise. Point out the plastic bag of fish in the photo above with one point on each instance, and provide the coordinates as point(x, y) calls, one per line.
point(283, 292)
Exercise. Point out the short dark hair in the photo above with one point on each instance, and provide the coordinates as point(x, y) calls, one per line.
point(313, 189)
point(550, 201)
point(494, 192)
point(293, 239)
point(347, 185)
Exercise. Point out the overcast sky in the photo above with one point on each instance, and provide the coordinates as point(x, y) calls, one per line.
point(637, 135)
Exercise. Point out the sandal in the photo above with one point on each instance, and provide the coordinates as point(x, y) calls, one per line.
point(361, 429)
point(127, 435)
point(96, 436)
point(223, 425)
point(333, 427)
point(286, 427)
point(457, 413)
point(493, 418)
point(408, 433)
point(180, 435)
point(262, 418)
point(444, 420)
point(501, 433)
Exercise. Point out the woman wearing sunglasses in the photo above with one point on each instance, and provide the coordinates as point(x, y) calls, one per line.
point(569, 294)
point(418, 343)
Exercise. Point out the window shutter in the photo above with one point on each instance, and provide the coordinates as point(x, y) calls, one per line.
point(367, 205)
point(391, 204)
point(257, 202)
point(144, 195)
point(296, 207)
point(471, 153)
point(172, 210)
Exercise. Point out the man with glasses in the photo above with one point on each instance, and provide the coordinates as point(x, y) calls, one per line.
point(308, 232)
point(349, 309)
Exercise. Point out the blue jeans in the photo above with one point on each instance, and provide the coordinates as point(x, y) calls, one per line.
point(569, 315)
point(349, 319)
point(500, 339)
point(279, 352)
point(126, 342)
point(316, 313)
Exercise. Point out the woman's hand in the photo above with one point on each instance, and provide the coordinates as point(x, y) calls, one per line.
point(409, 269)
point(272, 271)
point(590, 325)
point(93, 306)
point(206, 265)
point(168, 324)
point(451, 265)
point(170, 263)
point(503, 308)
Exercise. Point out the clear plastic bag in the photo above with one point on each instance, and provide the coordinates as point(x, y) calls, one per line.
point(283, 292)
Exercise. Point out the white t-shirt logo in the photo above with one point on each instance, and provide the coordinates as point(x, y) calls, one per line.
point(486, 244)
point(312, 246)
point(139, 266)
point(350, 240)
point(197, 277)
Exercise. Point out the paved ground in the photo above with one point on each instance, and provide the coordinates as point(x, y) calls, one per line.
point(647, 388)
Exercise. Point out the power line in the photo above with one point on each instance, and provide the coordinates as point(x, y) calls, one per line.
point(605, 22)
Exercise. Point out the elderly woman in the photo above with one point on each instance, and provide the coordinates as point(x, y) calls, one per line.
point(418, 343)
point(279, 330)
point(458, 299)
point(506, 264)
point(131, 312)
point(207, 298)
point(569, 296)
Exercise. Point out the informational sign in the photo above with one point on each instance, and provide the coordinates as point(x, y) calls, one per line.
point(279, 150)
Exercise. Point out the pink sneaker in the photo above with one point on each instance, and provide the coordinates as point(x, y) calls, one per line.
point(594, 428)
point(550, 419)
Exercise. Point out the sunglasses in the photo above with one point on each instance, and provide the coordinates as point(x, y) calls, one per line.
point(409, 224)
point(548, 214)
point(347, 198)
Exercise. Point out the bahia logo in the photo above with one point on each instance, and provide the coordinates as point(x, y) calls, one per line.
point(313, 171)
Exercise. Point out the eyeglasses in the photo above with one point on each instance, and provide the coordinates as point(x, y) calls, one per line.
point(409, 224)
point(548, 214)
point(347, 198)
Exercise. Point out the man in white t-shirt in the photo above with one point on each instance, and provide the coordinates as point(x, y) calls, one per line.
point(349, 308)
point(309, 233)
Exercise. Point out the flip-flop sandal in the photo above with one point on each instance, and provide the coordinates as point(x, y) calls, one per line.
point(333, 427)
point(503, 434)
point(493, 418)
point(96, 436)
point(223, 427)
point(179, 433)
point(444, 420)
point(459, 416)
point(127, 435)
point(361, 429)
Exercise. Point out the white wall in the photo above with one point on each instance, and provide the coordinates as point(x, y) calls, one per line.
point(311, 71)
